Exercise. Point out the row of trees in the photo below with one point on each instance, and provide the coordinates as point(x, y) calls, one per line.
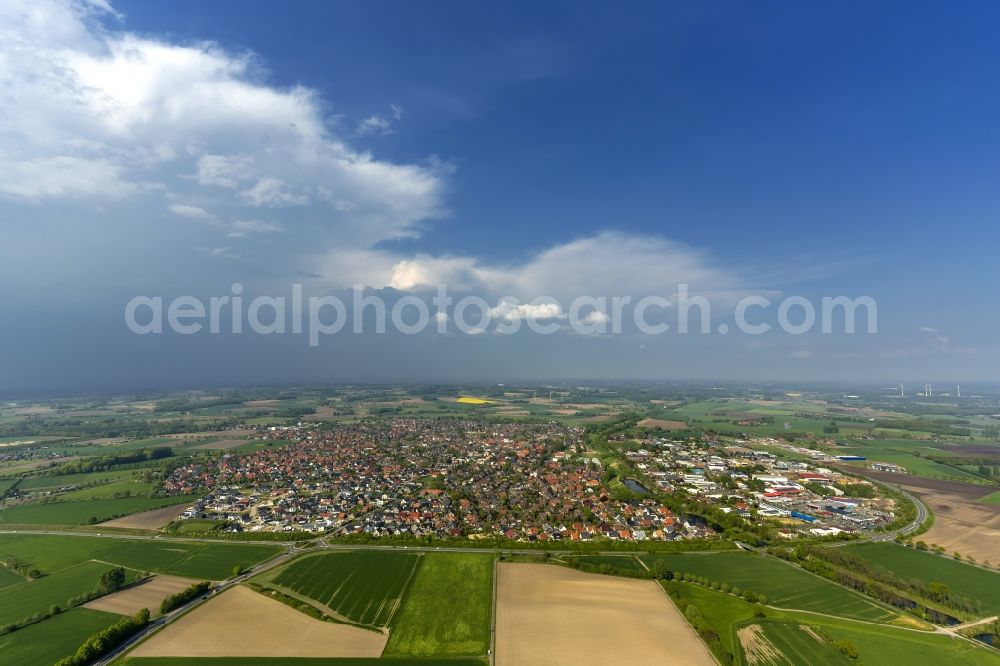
point(26, 570)
point(111, 426)
point(184, 596)
point(725, 588)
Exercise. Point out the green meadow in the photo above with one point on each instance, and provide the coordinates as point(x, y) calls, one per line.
point(83, 512)
point(976, 583)
point(212, 561)
point(799, 646)
point(992, 498)
point(24, 599)
point(784, 585)
point(366, 587)
point(877, 643)
point(615, 563)
point(61, 480)
point(428, 624)
point(46, 642)
point(300, 661)
point(8, 577)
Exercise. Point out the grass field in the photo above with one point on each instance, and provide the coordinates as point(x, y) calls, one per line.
point(61, 480)
point(722, 611)
point(182, 558)
point(968, 581)
point(624, 563)
point(800, 646)
point(908, 453)
point(881, 646)
point(785, 586)
point(301, 661)
point(133, 487)
point(428, 624)
point(8, 577)
point(47, 642)
point(877, 643)
point(23, 600)
point(366, 587)
point(992, 498)
point(84, 511)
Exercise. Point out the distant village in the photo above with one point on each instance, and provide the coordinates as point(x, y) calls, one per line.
point(523, 482)
point(425, 478)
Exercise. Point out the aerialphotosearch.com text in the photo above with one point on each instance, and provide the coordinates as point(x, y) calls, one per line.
point(364, 312)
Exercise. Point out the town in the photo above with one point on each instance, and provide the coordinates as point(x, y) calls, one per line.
point(515, 481)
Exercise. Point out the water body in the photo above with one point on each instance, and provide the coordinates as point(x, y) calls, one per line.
point(635, 486)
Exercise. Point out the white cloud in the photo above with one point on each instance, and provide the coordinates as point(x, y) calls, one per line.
point(595, 317)
point(379, 124)
point(224, 171)
point(256, 227)
point(273, 193)
point(193, 212)
point(219, 252)
point(511, 312)
point(92, 110)
point(63, 176)
point(607, 264)
point(372, 125)
point(928, 329)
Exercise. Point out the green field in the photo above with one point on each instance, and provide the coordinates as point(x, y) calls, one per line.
point(24, 599)
point(909, 454)
point(182, 558)
point(82, 512)
point(799, 647)
point(724, 612)
point(877, 643)
point(298, 661)
point(61, 480)
point(785, 586)
point(992, 498)
point(46, 642)
point(428, 624)
point(8, 577)
point(132, 487)
point(616, 563)
point(366, 587)
point(966, 580)
point(886, 645)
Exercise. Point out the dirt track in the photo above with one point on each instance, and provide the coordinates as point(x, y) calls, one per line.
point(555, 616)
point(244, 623)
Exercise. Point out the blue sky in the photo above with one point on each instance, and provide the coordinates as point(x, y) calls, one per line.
point(526, 147)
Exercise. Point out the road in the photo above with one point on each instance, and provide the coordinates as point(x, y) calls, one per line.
point(923, 513)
